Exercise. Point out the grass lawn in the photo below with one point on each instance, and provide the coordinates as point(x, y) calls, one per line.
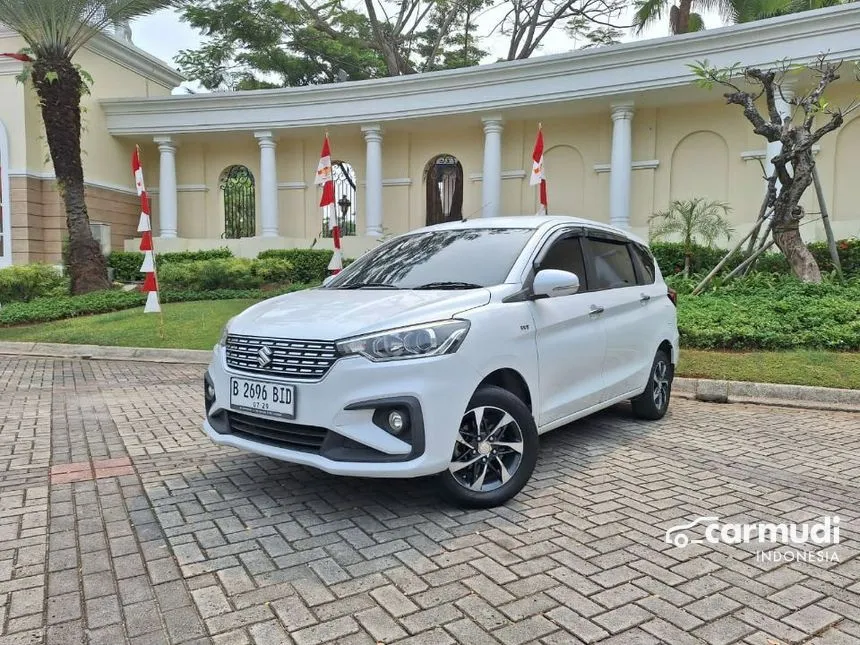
point(187, 325)
point(197, 325)
point(826, 369)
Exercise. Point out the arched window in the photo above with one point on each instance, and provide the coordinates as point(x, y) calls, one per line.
point(237, 190)
point(443, 176)
point(343, 176)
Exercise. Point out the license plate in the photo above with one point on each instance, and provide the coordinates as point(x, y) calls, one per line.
point(262, 397)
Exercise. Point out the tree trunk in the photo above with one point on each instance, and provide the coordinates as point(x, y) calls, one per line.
point(802, 262)
point(59, 86)
point(688, 260)
point(684, 16)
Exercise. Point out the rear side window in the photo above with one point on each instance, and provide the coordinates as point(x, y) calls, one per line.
point(644, 263)
point(609, 265)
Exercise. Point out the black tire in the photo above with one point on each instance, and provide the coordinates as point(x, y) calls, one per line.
point(654, 401)
point(495, 454)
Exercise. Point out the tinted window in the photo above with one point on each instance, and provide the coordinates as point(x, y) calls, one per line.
point(610, 266)
point(644, 264)
point(566, 255)
point(483, 256)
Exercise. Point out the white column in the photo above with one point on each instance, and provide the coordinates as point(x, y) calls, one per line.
point(167, 200)
point(373, 177)
point(491, 181)
point(775, 147)
point(621, 165)
point(268, 184)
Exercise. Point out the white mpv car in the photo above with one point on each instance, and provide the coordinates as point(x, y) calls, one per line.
point(447, 351)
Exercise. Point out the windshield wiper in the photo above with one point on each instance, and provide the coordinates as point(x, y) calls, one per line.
point(449, 285)
point(374, 285)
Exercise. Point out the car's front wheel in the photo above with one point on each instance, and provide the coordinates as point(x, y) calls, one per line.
point(494, 453)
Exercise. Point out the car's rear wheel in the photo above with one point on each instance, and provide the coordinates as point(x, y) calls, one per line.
point(654, 401)
point(494, 453)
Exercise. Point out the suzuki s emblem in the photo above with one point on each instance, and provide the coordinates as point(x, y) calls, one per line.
point(264, 357)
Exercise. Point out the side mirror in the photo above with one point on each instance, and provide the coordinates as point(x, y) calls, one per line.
point(553, 283)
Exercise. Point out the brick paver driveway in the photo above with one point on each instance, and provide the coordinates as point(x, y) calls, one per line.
point(120, 522)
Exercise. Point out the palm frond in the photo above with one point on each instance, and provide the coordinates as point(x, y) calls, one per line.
point(647, 12)
point(62, 27)
point(695, 23)
point(692, 219)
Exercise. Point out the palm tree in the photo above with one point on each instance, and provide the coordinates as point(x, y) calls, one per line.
point(692, 220)
point(682, 20)
point(55, 30)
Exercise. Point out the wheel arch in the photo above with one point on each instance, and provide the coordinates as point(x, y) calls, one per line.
point(667, 347)
point(511, 380)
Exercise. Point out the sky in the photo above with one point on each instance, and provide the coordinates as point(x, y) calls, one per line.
point(163, 34)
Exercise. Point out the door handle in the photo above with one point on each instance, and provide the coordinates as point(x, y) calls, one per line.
point(644, 297)
point(596, 310)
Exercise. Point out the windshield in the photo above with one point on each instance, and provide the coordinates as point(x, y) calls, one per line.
point(476, 257)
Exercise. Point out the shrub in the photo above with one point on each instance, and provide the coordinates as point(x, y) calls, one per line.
point(27, 282)
point(126, 264)
point(772, 312)
point(670, 257)
point(99, 302)
point(207, 275)
point(309, 265)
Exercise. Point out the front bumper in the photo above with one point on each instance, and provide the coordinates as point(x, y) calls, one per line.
point(339, 410)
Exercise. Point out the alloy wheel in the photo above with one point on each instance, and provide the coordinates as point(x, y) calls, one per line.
point(488, 450)
point(660, 389)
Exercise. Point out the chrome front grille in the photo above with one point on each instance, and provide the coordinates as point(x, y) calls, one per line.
point(307, 360)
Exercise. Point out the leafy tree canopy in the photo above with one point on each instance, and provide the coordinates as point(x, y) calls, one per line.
point(252, 44)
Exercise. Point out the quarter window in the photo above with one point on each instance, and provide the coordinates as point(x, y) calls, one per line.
point(609, 265)
point(644, 263)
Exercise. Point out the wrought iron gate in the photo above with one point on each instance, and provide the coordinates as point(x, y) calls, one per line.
point(343, 176)
point(237, 186)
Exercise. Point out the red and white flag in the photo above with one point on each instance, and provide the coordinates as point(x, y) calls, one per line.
point(537, 177)
point(144, 227)
point(326, 180)
point(324, 176)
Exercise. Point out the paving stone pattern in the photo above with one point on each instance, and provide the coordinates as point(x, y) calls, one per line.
point(120, 523)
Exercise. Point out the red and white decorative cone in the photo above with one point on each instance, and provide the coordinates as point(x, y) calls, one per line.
point(537, 177)
point(336, 264)
point(325, 179)
point(144, 227)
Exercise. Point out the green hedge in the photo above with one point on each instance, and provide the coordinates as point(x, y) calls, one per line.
point(670, 257)
point(100, 302)
point(27, 282)
point(771, 312)
point(310, 265)
point(126, 264)
point(227, 273)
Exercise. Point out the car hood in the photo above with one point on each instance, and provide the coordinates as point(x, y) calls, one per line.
point(332, 314)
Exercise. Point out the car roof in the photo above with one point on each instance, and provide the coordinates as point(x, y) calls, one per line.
point(526, 221)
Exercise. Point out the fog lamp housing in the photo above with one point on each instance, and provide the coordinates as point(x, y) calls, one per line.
point(394, 420)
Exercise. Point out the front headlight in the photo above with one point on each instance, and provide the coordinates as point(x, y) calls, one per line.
point(223, 340)
point(417, 341)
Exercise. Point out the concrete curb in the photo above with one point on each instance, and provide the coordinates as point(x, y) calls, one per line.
point(801, 396)
point(99, 352)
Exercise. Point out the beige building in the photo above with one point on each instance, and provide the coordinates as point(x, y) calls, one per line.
point(625, 127)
